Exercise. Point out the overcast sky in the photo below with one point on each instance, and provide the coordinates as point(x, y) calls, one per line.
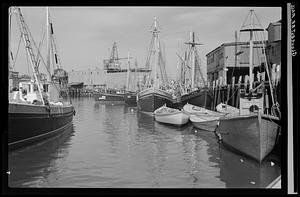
point(85, 34)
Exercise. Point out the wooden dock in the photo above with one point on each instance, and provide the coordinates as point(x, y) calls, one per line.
point(230, 93)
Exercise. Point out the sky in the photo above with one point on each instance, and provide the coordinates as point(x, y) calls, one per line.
point(85, 35)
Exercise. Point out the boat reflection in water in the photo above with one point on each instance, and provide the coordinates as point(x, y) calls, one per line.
point(36, 165)
point(249, 172)
point(116, 146)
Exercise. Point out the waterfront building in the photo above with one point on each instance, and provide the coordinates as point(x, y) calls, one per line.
point(274, 43)
point(223, 62)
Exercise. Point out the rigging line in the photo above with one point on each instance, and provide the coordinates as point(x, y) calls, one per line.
point(199, 62)
point(236, 45)
point(41, 56)
point(15, 60)
point(243, 24)
point(259, 23)
point(231, 95)
point(28, 70)
point(256, 37)
point(40, 45)
point(270, 81)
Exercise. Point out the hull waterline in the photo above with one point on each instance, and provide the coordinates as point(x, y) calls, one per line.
point(109, 98)
point(28, 124)
point(251, 135)
point(151, 99)
point(210, 124)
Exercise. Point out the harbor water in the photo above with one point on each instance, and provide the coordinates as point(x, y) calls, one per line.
point(116, 146)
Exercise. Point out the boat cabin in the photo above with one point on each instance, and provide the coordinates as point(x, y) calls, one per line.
point(251, 101)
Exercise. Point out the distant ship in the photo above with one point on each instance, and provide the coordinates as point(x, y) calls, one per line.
point(37, 109)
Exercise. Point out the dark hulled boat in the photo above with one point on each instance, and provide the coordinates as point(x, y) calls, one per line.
point(29, 123)
point(190, 78)
point(130, 98)
point(151, 99)
point(113, 97)
point(200, 97)
point(37, 109)
point(154, 94)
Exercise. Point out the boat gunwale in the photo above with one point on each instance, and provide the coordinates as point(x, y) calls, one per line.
point(168, 114)
point(238, 116)
point(205, 121)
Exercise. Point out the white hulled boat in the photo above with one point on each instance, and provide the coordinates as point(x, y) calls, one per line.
point(170, 116)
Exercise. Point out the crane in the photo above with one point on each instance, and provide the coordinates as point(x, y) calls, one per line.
point(113, 62)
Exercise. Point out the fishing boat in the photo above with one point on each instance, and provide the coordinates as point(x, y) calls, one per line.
point(172, 116)
point(193, 85)
point(208, 123)
point(154, 94)
point(200, 111)
point(252, 132)
point(130, 98)
point(37, 107)
point(227, 109)
point(109, 96)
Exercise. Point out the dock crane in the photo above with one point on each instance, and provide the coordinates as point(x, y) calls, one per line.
point(113, 62)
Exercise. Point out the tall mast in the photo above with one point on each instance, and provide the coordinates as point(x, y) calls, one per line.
point(235, 49)
point(128, 73)
point(136, 77)
point(155, 35)
point(48, 43)
point(251, 27)
point(193, 44)
point(251, 59)
point(192, 39)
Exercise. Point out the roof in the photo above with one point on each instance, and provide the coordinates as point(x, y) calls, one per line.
point(232, 44)
point(274, 24)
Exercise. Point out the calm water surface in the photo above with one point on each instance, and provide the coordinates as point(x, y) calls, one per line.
point(117, 146)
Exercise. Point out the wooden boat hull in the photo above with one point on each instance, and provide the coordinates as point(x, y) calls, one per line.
point(200, 111)
point(28, 123)
point(208, 125)
point(178, 118)
point(130, 98)
point(109, 98)
point(197, 97)
point(227, 109)
point(252, 135)
point(151, 99)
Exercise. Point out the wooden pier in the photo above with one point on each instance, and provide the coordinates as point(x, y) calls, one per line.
point(230, 93)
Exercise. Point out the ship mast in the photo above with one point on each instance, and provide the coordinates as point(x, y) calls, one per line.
point(48, 43)
point(155, 32)
point(251, 27)
point(128, 73)
point(192, 45)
